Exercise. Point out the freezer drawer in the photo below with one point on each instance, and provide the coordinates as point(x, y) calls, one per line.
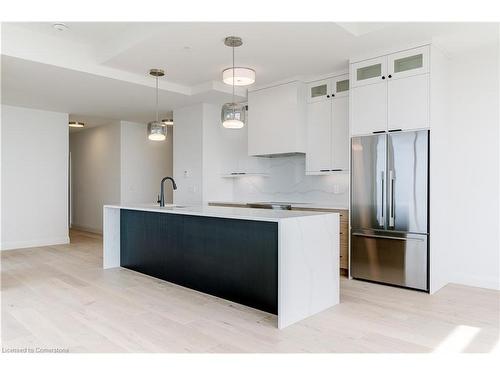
point(398, 259)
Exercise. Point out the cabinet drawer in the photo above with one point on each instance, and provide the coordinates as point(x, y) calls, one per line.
point(344, 227)
point(344, 259)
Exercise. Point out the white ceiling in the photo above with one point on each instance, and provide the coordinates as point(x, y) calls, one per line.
point(100, 69)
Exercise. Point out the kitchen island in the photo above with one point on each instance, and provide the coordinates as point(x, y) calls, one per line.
point(282, 262)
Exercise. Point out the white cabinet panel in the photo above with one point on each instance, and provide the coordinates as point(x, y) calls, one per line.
point(276, 120)
point(408, 63)
point(408, 103)
point(369, 108)
point(319, 129)
point(340, 133)
point(368, 71)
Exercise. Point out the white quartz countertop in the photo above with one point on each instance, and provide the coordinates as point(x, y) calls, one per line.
point(223, 212)
point(315, 205)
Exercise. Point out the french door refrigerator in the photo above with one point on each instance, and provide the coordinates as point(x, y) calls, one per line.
point(389, 208)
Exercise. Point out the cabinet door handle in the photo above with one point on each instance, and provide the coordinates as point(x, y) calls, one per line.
point(333, 95)
point(395, 130)
point(324, 170)
point(383, 77)
point(390, 76)
point(379, 131)
point(328, 96)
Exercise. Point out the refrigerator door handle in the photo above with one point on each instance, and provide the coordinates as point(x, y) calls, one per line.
point(382, 174)
point(386, 237)
point(391, 198)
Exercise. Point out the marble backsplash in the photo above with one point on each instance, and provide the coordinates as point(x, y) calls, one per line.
point(287, 182)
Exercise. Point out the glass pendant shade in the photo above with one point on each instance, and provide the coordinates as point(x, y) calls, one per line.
point(157, 131)
point(233, 115)
point(238, 76)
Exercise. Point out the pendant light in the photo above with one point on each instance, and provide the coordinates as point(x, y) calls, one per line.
point(157, 131)
point(233, 114)
point(239, 75)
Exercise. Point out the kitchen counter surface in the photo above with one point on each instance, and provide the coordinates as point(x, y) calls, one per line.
point(313, 206)
point(233, 212)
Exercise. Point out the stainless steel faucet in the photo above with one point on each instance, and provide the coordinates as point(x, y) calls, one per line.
point(161, 199)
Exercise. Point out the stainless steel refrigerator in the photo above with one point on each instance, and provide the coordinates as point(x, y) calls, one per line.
point(390, 208)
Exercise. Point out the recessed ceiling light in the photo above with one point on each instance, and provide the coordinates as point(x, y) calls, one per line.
point(76, 124)
point(60, 26)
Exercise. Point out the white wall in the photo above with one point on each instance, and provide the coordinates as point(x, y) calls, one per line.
point(472, 195)
point(34, 207)
point(187, 154)
point(219, 145)
point(116, 163)
point(95, 157)
point(143, 164)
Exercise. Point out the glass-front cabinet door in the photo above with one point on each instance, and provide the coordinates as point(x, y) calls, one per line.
point(319, 90)
point(368, 71)
point(408, 63)
point(340, 86)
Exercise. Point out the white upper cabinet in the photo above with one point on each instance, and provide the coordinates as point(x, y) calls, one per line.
point(276, 120)
point(319, 90)
point(328, 127)
point(368, 72)
point(340, 86)
point(391, 92)
point(408, 63)
point(369, 109)
point(408, 103)
point(328, 88)
point(340, 133)
point(319, 136)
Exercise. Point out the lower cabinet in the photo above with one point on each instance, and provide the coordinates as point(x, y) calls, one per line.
point(233, 259)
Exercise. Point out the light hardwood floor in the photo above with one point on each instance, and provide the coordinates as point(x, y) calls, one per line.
point(60, 297)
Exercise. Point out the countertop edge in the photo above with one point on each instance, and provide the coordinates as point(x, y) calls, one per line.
point(268, 216)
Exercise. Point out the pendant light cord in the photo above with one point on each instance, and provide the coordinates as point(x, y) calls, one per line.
point(156, 98)
point(233, 84)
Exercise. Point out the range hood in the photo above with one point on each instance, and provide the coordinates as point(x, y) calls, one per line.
point(282, 155)
point(277, 120)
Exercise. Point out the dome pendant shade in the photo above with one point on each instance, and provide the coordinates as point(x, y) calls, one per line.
point(157, 131)
point(233, 115)
point(240, 76)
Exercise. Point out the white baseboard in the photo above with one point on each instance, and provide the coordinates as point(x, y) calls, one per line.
point(14, 245)
point(477, 281)
point(86, 229)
